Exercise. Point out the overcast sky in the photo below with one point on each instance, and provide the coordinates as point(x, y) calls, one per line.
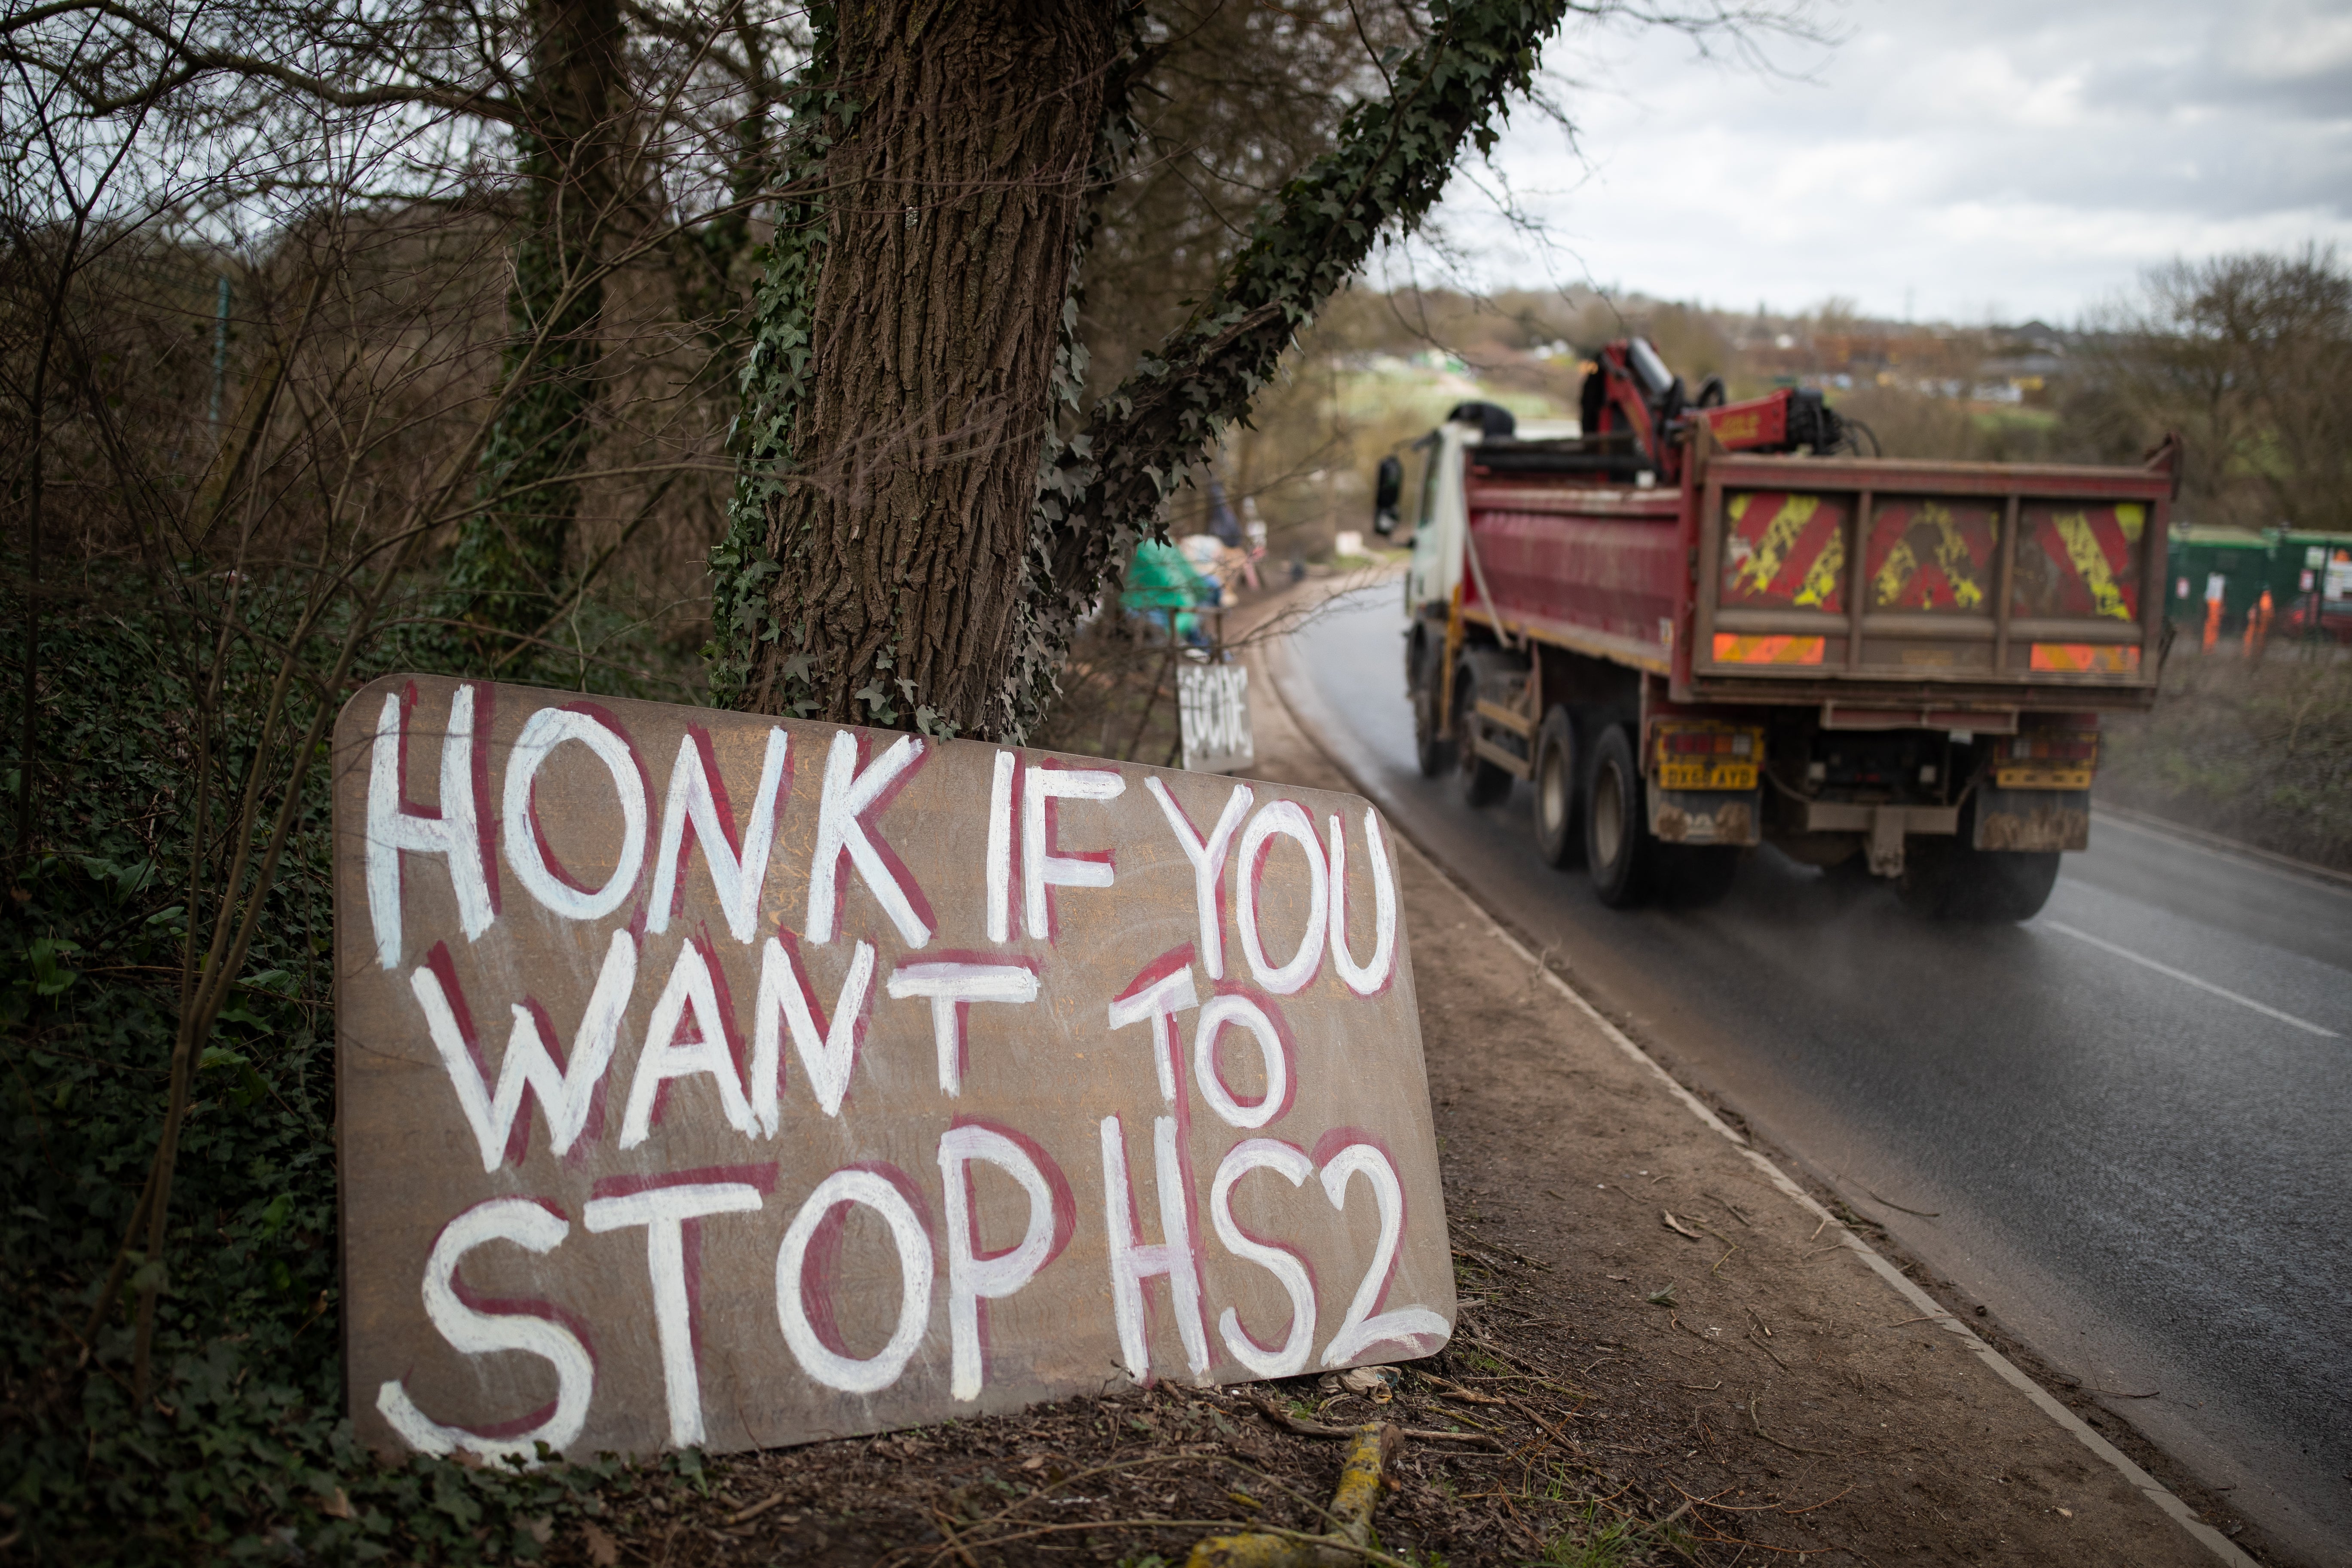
point(1988, 160)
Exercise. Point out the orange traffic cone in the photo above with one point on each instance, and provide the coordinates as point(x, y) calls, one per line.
point(2212, 623)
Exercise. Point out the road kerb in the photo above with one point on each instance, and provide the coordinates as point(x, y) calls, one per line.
point(1277, 662)
point(2324, 878)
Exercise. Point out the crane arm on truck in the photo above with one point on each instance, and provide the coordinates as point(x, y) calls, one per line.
point(1631, 403)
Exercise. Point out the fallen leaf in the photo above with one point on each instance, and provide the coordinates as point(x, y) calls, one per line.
point(1677, 1227)
point(603, 1550)
point(338, 1506)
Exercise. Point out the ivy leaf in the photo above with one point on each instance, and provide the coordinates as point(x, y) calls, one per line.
point(50, 977)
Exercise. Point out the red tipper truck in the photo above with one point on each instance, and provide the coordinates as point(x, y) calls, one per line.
point(1695, 626)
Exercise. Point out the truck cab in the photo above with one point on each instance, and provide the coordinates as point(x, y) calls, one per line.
point(1421, 492)
point(1428, 504)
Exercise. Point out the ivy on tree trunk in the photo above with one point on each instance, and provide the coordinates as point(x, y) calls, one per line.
point(914, 543)
point(506, 572)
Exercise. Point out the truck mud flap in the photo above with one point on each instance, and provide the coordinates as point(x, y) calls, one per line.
point(1706, 816)
point(2032, 819)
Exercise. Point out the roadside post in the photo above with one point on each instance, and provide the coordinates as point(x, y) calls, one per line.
point(707, 1079)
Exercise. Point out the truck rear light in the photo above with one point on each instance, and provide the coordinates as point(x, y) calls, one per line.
point(2083, 658)
point(1732, 648)
point(2047, 759)
point(1738, 743)
point(2051, 746)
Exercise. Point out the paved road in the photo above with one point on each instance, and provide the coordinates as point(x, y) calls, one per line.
point(2127, 1123)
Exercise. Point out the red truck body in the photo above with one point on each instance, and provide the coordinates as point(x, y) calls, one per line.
point(1984, 589)
point(1842, 655)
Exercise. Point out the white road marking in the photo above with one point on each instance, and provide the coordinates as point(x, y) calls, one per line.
point(2184, 977)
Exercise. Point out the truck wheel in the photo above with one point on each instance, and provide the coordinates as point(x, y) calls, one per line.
point(1432, 749)
point(1618, 849)
point(1951, 882)
point(1559, 838)
point(2009, 885)
point(1483, 782)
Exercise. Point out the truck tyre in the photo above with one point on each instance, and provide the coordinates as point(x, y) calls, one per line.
point(1948, 878)
point(1619, 852)
point(2007, 885)
point(1483, 782)
point(1559, 836)
point(1951, 882)
point(1432, 749)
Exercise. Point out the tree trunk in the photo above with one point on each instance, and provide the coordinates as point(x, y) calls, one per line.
point(904, 546)
point(507, 568)
point(954, 195)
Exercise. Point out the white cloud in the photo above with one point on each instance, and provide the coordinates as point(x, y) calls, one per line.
point(2001, 157)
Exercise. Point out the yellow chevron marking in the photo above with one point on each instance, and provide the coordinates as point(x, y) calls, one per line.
point(1951, 555)
point(1822, 582)
point(1756, 573)
point(2090, 563)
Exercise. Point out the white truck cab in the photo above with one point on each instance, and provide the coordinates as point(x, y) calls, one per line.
point(1422, 490)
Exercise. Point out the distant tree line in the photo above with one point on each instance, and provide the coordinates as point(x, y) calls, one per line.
point(2249, 356)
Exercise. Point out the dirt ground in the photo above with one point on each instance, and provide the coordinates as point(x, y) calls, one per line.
point(1661, 1358)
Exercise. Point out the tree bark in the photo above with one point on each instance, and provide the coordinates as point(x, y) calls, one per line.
point(954, 193)
point(507, 569)
point(905, 548)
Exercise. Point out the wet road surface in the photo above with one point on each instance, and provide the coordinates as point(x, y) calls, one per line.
point(2125, 1126)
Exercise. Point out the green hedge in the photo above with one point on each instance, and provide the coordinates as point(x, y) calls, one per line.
point(243, 1451)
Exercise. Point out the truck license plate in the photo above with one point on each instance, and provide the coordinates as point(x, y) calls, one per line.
point(2041, 775)
point(1706, 775)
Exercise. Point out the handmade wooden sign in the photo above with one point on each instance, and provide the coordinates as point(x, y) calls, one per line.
point(1213, 715)
point(713, 1080)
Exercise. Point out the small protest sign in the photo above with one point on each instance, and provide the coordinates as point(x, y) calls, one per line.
point(708, 1080)
point(1213, 709)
